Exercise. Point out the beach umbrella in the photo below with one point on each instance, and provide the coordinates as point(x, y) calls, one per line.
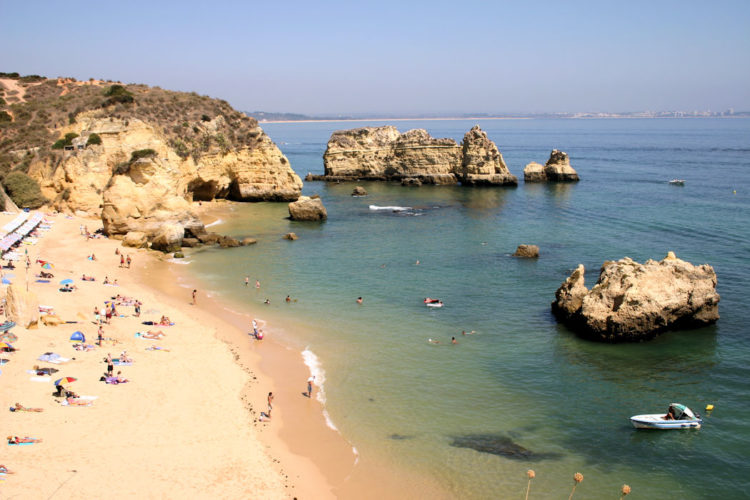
point(8, 337)
point(47, 265)
point(6, 281)
point(3, 345)
point(64, 381)
point(66, 281)
point(78, 337)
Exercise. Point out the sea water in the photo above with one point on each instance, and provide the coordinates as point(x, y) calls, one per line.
point(521, 392)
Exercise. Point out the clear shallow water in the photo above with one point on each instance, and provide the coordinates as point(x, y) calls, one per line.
point(521, 377)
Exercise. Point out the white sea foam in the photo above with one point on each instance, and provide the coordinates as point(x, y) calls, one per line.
point(214, 223)
point(316, 369)
point(179, 261)
point(390, 208)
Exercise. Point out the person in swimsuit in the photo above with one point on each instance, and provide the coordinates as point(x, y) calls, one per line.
point(110, 364)
point(270, 404)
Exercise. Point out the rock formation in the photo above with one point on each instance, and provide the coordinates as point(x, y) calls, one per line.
point(307, 208)
point(634, 302)
point(134, 193)
point(382, 153)
point(22, 307)
point(557, 169)
point(291, 236)
point(527, 251)
point(481, 162)
point(359, 191)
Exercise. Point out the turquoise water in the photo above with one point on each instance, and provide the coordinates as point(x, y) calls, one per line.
point(521, 378)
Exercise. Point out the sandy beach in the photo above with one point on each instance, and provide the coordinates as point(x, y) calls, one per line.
point(184, 424)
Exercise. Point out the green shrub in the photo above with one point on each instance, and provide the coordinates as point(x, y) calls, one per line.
point(3, 103)
point(141, 153)
point(23, 190)
point(5, 117)
point(65, 141)
point(94, 139)
point(117, 94)
point(205, 118)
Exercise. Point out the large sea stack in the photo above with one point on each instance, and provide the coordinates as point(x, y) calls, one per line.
point(632, 302)
point(382, 153)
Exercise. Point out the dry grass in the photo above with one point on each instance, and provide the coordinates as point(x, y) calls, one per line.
point(53, 103)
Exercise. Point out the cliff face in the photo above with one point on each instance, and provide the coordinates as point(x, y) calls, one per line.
point(381, 153)
point(482, 163)
point(134, 194)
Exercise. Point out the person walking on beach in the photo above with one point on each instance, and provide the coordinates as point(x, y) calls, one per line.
point(194, 292)
point(247, 280)
point(122, 260)
point(128, 261)
point(270, 404)
point(110, 365)
point(257, 284)
point(309, 385)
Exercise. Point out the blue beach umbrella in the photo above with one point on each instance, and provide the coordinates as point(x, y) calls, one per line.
point(67, 281)
point(6, 281)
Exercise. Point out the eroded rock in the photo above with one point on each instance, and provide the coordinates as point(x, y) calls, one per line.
point(307, 209)
point(634, 302)
point(22, 306)
point(527, 251)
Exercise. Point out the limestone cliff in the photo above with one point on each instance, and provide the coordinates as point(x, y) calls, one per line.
point(138, 194)
point(557, 169)
point(481, 161)
point(382, 153)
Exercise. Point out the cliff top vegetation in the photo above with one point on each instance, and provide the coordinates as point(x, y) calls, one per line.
point(34, 110)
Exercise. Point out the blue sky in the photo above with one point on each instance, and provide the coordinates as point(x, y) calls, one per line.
point(399, 56)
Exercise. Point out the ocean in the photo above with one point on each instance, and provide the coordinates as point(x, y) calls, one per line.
point(521, 392)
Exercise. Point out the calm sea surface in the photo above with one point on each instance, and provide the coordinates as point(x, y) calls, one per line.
point(521, 382)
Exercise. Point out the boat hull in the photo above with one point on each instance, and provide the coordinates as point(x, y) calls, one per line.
point(656, 421)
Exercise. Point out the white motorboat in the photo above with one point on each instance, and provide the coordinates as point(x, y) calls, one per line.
point(677, 182)
point(678, 416)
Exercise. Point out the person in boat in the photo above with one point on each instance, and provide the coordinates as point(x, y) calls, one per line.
point(431, 301)
point(670, 414)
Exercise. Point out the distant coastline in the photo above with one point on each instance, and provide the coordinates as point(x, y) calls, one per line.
point(269, 117)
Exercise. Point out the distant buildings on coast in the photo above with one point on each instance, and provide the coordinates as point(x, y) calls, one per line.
point(264, 116)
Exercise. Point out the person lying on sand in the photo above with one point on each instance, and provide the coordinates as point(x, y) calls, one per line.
point(5, 470)
point(87, 278)
point(164, 321)
point(25, 439)
point(20, 407)
point(44, 371)
point(153, 335)
point(124, 358)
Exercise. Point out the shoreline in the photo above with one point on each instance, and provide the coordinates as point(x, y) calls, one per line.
point(302, 436)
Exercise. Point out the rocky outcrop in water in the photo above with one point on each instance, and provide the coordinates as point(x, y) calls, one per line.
point(498, 444)
point(382, 153)
point(481, 162)
point(527, 251)
point(634, 302)
point(557, 169)
point(308, 209)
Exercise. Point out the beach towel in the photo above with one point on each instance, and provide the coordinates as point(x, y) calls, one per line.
point(64, 402)
point(19, 444)
point(117, 362)
point(42, 281)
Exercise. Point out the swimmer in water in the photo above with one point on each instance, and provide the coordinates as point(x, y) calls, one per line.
point(359, 300)
point(453, 340)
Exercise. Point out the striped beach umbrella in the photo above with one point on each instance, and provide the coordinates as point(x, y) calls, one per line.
point(64, 380)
